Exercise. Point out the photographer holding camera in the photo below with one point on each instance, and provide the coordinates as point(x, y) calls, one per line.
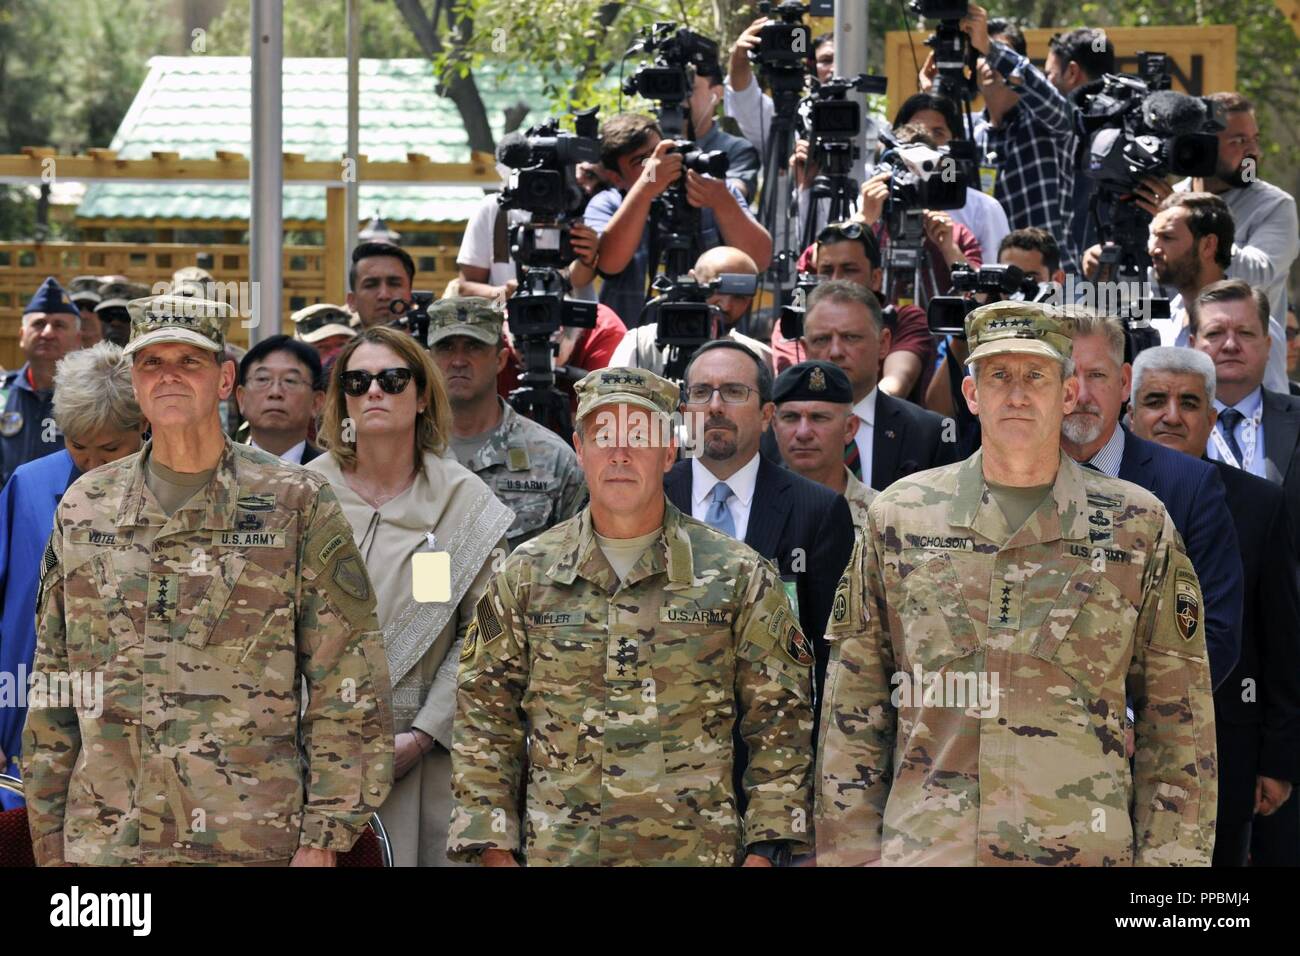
point(643, 165)
point(744, 100)
point(1026, 131)
point(742, 156)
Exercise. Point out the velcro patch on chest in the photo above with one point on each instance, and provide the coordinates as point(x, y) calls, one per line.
point(256, 502)
point(554, 618)
point(523, 484)
point(694, 615)
point(106, 539)
point(248, 539)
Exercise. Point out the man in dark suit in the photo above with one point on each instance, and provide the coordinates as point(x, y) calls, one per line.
point(844, 324)
point(1190, 490)
point(806, 530)
point(1258, 430)
point(1257, 709)
point(281, 391)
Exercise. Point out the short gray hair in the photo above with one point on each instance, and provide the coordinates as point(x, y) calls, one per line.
point(843, 291)
point(1087, 322)
point(1174, 361)
point(92, 391)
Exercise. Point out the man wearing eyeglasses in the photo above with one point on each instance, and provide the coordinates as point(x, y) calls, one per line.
point(280, 393)
point(242, 711)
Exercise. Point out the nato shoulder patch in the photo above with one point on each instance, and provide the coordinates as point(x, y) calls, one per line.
point(1187, 606)
point(350, 576)
point(797, 645)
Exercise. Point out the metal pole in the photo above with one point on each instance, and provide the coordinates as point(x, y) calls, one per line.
point(266, 172)
point(850, 60)
point(352, 186)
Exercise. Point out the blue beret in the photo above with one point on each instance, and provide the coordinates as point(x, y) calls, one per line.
point(50, 298)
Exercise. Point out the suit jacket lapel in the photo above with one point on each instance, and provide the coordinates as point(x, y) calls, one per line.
point(1135, 463)
point(1281, 431)
point(768, 510)
point(677, 486)
point(885, 451)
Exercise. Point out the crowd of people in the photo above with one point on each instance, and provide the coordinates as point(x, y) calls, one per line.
point(871, 593)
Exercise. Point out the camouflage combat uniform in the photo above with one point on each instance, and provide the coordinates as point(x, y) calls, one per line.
point(859, 497)
point(204, 627)
point(1091, 601)
point(530, 469)
point(594, 718)
point(532, 472)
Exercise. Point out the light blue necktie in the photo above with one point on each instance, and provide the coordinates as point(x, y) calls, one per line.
point(718, 516)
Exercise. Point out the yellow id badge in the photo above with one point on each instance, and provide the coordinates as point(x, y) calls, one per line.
point(988, 179)
point(431, 577)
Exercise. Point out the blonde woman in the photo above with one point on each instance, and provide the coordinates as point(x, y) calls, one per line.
point(386, 425)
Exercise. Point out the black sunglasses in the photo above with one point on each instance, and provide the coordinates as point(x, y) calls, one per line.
point(392, 380)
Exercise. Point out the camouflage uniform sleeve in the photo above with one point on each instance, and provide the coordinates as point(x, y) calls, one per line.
point(1175, 774)
point(774, 691)
point(858, 721)
point(52, 735)
point(347, 729)
point(573, 489)
point(489, 752)
point(438, 714)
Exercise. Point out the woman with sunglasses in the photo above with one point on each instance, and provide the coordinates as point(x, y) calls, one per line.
point(431, 533)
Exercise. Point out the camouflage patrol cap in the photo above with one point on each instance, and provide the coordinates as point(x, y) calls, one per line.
point(84, 290)
point(193, 282)
point(178, 318)
point(116, 295)
point(626, 386)
point(1030, 328)
point(469, 315)
point(321, 321)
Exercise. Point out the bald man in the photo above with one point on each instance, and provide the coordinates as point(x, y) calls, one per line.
point(637, 350)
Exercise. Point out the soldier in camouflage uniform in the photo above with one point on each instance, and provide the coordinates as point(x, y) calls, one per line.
point(607, 664)
point(529, 468)
point(813, 422)
point(204, 598)
point(994, 618)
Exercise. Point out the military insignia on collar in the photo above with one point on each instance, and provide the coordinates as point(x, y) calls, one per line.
point(817, 381)
point(256, 503)
point(797, 644)
point(350, 576)
point(1187, 606)
point(249, 522)
point(11, 423)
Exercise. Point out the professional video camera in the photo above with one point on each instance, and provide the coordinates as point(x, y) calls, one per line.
point(954, 59)
point(413, 315)
point(921, 177)
point(793, 315)
point(544, 184)
point(946, 314)
point(685, 320)
point(679, 55)
point(1139, 127)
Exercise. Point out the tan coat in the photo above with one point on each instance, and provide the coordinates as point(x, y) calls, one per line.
point(468, 521)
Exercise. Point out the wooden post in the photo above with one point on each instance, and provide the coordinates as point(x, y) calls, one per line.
point(336, 244)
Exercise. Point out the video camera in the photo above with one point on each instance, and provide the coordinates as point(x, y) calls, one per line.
point(925, 177)
point(793, 315)
point(954, 60)
point(413, 315)
point(832, 123)
point(785, 46)
point(685, 320)
point(946, 314)
point(679, 55)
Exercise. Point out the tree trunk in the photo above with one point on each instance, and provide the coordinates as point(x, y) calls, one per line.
point(461, 90)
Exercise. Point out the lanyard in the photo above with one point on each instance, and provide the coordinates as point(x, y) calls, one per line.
point(1249, 435)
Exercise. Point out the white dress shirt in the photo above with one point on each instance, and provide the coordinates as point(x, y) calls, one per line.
point(866, 412)
point(1110, 455)
point(742, 493)
point(1250, 407)
point(293, 456)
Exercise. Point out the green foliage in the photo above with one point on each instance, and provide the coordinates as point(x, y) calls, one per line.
point(319, 28)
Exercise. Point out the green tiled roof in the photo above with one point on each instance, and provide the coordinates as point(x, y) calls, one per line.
point(197, 105)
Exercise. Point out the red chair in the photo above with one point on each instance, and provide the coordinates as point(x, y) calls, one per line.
point(372, 848)
point(15, 836)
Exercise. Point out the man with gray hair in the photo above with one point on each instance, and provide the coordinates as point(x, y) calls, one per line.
point(1257, 709)
point(1092, 435)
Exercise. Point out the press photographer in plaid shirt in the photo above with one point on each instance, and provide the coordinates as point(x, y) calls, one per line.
point(1026, 131)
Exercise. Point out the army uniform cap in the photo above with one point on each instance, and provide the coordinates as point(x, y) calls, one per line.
point(117, 295)
point(1027, 328)
point(469, 315)
point(321, 321)
point(813, 381)
point(627, 386)
point(192, 281)
point(85, 289)
point(51, 298)
point(178, 318)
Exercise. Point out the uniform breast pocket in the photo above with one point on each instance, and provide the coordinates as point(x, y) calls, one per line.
point(98, 603)
point(555, 718)
point(1089, 633)
point(937, 628)
point(244, 618)
point(694, 678)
